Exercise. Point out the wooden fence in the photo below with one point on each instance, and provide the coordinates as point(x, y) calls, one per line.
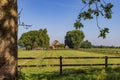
point(61, 60)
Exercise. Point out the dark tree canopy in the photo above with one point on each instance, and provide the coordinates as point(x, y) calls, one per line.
point(74, 38)
point(86, 44)
point(92, 9)
point(34, 39)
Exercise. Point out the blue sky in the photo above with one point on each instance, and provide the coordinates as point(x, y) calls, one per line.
point(58, 16)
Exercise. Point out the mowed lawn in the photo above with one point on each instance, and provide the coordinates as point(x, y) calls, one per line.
point(39, 54)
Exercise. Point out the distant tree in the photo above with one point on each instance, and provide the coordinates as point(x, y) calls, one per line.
point(62, 45)
point(34, 39)
point(74, 38)
point(43, 38)
point(86, 44)
point(28, 40)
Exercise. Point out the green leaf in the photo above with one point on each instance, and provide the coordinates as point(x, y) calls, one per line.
point(78, 24)
point(103, 32)
point(84, 1)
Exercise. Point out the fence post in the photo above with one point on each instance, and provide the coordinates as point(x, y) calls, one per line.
point(106, 62)
point(60, 65)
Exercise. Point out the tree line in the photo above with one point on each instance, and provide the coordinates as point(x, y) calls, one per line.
point(40, 39)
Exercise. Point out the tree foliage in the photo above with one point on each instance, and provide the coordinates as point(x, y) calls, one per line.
point(34, 39)
point(95, 8)
point(86, 44)
point(74, 38)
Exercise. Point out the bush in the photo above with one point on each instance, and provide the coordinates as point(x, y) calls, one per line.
point(86, 44)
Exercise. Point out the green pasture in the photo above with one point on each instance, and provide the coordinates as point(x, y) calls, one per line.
point(112, 51)
point(69, 73)
point(39, 54)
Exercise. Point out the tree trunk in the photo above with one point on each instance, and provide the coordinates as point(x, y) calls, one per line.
point(8, 39)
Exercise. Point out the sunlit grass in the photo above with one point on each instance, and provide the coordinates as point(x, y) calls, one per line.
point(56, 53)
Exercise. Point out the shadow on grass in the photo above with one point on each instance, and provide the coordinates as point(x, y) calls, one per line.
point(68, 74)
point(78, 74)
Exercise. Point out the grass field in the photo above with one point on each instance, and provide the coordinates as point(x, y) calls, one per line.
point(52, 71)
point(112, 51)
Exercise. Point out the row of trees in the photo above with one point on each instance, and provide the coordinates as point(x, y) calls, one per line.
point(103, 46)
point(34, 39)
point(73, 39)
point(40, 39)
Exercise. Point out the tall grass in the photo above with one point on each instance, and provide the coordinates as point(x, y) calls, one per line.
point(77, 74)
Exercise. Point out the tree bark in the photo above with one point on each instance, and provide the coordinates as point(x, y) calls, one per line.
point(8, 39)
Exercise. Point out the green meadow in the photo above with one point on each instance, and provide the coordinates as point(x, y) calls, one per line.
point(69, 73)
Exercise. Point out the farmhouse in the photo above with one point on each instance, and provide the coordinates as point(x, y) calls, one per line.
point(55, 44)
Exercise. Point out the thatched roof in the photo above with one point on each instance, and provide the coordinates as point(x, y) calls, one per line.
point(55, 42)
